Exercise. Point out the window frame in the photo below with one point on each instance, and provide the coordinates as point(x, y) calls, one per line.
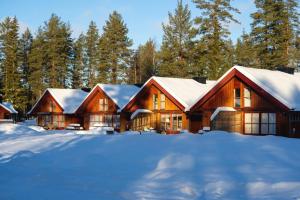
point(155, 101)
point(162, 101)
point(236, 99)
point(247, 98)
point(103, 104)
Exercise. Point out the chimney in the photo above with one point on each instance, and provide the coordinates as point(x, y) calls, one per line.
point(288, 70)
point(86, 89)
point(200, 79)
point(1, 98)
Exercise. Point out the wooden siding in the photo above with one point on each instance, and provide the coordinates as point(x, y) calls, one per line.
point(144, 100)
point(224, 96)
point(92, 106)
point(3, 113)
point(44, 105)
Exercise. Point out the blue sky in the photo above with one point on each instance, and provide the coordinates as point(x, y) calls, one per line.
point(143, 18)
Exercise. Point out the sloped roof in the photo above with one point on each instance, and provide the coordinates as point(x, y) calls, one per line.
point(9, 107)
point(119, 93)
point(185, 91)
point(68, 99)
point(282, 86)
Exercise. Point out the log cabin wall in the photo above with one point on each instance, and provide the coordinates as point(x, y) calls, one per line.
point(145, 100)
point(225, 97)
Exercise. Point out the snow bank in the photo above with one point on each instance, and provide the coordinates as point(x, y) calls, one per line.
point(217, 165)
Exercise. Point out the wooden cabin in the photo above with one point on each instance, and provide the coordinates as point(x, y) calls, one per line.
point(56, 108)
point(101, 107)
point(161, 104)
point(7, 112)
point(251, 101)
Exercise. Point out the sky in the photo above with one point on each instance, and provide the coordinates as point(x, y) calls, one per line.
point(143, 18)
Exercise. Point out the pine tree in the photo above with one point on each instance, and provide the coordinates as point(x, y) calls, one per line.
point(114, 47)
point(78, 62)
point(38, 66)
point(146, 64)
point(92, 54)
point(212, 27)
point(25, 49)
point(244, 52)
point(273, 31)
point(9, 48)
point(58, 44)
point(177, 43)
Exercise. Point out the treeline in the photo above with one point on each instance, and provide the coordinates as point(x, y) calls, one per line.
point(29, 62)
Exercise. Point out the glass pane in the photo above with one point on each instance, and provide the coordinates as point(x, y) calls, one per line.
point(255, 128)
point(264, 129)
point(255, 117)
point(272, 129)
point(174, 122)
point(247, 102)
point(248, 128)
point(247, 117)
point(246, 93)
point(179, 122)
point(237, 92)
point(264, 118)
point(272, 118)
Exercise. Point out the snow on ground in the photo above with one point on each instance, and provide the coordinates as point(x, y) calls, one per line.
point(217, 165)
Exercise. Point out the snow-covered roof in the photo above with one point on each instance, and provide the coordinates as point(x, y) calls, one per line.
point(138, 111)
point(119, 93)
point(221, 109)
point(185, 91)
point(9, 107)
point(282, 86)
point(68, 99)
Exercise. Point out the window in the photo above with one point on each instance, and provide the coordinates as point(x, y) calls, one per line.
point(96, 120)
point(237, 97)
point(177, 122)
point(103, 104)
point(52, 106)
point(162, 101)
point(116, 120)
point(252, 123)
point(155, 102)
point(268, 123)
point(171, 122)
point(165, 121)
point(247, 97)
point(108, 120)
point(58, 121)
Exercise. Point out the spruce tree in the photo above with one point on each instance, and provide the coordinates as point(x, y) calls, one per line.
point(177, 43)
point(114, 47)
point(92, 54)
point(215, 15)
